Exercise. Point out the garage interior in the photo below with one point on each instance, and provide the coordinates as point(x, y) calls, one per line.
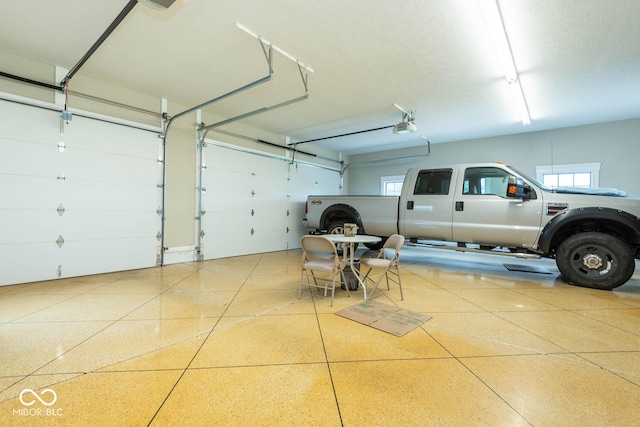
point(155, 159)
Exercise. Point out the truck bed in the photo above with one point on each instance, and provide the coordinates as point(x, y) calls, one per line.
point(381, 218)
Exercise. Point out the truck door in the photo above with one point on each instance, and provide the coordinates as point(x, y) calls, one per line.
point(425, 211)
point(484, 215)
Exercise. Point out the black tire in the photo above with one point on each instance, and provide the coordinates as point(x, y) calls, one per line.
point(377, 245)
point(595, 260)
point(338, 228)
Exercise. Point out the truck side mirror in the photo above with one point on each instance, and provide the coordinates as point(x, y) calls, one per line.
point(516, 188)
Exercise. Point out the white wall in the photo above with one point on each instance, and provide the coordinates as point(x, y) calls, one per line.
point(615, 144)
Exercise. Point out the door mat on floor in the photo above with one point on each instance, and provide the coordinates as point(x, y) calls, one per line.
point(527, 268)
point(388, 318)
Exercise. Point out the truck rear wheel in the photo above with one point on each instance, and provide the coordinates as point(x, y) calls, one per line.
point(595, 260)
point(338, 228)
point(377, 245)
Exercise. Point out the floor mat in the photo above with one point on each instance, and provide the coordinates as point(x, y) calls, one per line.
point(388, 318)
point(527, 268)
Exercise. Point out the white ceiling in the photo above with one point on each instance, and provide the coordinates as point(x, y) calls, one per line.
point(579, 61)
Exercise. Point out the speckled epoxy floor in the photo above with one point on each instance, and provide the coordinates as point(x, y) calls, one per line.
point(227, 342)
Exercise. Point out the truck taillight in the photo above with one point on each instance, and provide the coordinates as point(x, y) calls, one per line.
point(306, 208)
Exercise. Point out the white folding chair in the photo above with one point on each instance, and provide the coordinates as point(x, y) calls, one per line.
point(320, 265)
point(387, 268)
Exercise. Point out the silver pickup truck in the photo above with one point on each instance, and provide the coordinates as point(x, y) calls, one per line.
point(593, 234)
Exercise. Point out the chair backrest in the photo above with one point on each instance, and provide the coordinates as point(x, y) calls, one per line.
point(313, 243)
point(394, 241)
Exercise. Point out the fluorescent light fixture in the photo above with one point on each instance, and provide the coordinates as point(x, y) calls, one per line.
point(495, 26)
point(521, 103)
point(276, 48)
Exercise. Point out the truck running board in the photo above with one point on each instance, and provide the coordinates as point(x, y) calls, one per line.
point(479, 251)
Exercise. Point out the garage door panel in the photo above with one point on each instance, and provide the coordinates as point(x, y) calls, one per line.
point(316, 180)
point(106, 225)
point(272, 188)
point(44, 124)
point(270, 184)
point(227, 203)
point(229, 182)
point(226, 245)
point(269, 241)
point(269, 220)
point(44, 158)
point(100, 136)
point(79, 258)
point(228, 222)
point(296, 211)
point(294, 236)
point(132, 170)
point(271, 206)
point(31, 226)
point(105, 183)
point(40, 259)
point(30, 192)
point(109, 196)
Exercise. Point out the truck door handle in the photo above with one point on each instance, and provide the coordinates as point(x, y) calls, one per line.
point(410, 205)
point(459, 206)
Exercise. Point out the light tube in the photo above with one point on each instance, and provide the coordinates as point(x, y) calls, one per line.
point(495, 26)
point(521, 102)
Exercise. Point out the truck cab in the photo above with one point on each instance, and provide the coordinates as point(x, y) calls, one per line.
point(470, 204)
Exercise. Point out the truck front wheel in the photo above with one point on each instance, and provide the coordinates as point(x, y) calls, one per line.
point(595, 260)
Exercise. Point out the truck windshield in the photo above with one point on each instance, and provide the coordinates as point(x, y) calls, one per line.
point(536, 183)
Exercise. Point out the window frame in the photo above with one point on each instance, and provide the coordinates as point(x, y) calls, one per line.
point(390, 179)
point(576, 168)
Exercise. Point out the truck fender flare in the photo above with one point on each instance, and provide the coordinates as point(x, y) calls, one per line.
point(607, 220)
point(340, 210)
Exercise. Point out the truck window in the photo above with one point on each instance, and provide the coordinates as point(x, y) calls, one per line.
point(433, 182)
point(485, 180)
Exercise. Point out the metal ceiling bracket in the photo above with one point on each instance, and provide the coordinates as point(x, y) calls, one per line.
point(304, 76)
point(254, 113)
point(268, 53)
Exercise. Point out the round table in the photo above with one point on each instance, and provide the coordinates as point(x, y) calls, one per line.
point(351, 241)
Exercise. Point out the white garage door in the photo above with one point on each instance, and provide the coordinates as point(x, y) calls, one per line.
point(254, 203)
point(89, 206)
